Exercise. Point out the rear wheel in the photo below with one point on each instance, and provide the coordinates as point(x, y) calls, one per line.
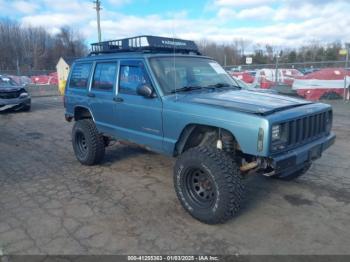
point(88, 144)
point(208, 184)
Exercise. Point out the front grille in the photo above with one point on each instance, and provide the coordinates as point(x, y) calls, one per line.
point(302, 130)
point(10, 95)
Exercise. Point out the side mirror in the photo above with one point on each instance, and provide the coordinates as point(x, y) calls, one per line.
point(145, 91)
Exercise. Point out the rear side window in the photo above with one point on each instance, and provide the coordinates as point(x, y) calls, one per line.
point(80, 75)
point(104, 76)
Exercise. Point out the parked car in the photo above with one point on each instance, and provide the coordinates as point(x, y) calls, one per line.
point(162, 94)
point(251, 87)
point(326, 83)
point(266, 77)
point(244, 76)
point(13, 96)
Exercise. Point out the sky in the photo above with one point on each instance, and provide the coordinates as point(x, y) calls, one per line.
point(290, 23)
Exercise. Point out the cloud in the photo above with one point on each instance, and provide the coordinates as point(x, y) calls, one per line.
point(25, 7)
point(119, 3)
point(52, 22)
point(281, 25)
point(241, 3)
point(261, 12)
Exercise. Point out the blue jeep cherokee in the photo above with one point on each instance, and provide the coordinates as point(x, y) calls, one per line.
point(162, 94)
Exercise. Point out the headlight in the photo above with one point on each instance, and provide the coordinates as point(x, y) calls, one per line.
point(329, 120)
point(276, 132)
point(24, 94)
point(260, 140)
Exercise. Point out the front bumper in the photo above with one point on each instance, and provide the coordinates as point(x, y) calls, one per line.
point(287, 163)
point(14, 102)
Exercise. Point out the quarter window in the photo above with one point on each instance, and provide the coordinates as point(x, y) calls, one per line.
point(80, 76)
point(104, 76)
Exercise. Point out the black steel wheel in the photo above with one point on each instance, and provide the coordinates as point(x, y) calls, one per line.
point(82, 147)
point(200, 187)
point(208, 184)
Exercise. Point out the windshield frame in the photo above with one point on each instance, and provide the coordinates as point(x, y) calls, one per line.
point(164, 92)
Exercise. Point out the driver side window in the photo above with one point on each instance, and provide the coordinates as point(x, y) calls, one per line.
point(131, 76)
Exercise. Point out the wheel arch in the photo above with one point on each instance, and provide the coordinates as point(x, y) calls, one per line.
point(82, 112)
point(193, 130)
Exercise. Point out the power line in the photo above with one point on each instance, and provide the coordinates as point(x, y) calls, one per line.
point(98, 9)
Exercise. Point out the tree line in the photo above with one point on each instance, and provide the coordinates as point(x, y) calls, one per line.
point(26, 48)
point(34, 48)
point(235, 53)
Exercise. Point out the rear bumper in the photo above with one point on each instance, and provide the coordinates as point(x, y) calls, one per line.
point(294, 160)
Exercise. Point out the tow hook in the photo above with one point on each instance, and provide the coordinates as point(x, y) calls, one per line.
point(249, 166)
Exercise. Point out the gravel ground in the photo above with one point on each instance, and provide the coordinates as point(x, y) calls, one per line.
point(50, 204)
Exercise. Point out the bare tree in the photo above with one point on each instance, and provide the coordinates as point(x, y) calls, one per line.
point(24, 48)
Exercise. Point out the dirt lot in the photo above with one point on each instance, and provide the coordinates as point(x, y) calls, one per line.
point(49, 203)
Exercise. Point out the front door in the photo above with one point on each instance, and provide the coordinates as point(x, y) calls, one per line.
point(139, 118)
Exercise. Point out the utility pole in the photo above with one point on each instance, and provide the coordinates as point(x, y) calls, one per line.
point(347, 47)
point(276, 70)
point(98, 9)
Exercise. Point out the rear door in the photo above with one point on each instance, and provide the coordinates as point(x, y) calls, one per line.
point(139, 119)
point(101, 94)
point(77, 87)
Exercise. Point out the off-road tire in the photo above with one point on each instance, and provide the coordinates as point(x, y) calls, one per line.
point(92, 151)
point(227, 184)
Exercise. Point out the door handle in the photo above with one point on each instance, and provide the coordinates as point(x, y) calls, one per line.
point(91, 95)
point(118, 99)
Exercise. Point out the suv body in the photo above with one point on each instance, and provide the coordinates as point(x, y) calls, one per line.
point(137, 95)
point(13, 96)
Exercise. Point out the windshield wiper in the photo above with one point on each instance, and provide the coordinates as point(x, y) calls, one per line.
point(220, 85)
point(186, 88)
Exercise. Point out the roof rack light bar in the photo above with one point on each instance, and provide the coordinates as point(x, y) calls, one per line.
point(145, 43)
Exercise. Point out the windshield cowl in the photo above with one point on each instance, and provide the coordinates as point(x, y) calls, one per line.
point(205, 88)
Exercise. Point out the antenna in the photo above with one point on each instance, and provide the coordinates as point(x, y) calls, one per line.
point(174, 62)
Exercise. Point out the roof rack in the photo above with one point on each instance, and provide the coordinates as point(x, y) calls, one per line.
point(145, 43)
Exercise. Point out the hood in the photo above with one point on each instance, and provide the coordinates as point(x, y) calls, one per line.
point(9, 89)
point(260, 90)
point(261, 103)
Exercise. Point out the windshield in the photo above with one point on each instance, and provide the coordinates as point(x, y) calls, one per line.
point(189, 73)
point(6, 82)
point(240, 83)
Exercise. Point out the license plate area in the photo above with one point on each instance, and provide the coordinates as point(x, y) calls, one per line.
point(315, 152)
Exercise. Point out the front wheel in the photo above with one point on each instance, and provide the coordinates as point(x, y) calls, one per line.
point(88, 143)
point(208, 184)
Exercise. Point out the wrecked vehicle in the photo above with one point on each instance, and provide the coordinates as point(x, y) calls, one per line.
point(161, 93)
point(13, 96)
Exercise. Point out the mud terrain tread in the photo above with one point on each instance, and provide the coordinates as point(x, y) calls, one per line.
point(96, 146)
point(227, 176)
